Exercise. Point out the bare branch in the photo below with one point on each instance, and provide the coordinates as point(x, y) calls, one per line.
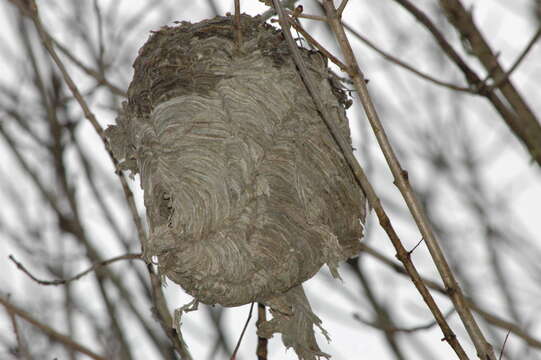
point(78, 276)
point(22, 349)
point(100, 78)
point(402, 182)
point(307, 16)
point(32, 11)
point(316, 44)
point(412, 329)
point(234, 355)
point(51, 333)
point(489, 317)
point(359, 173)
point(262, 342)
point(531, 43)
point(406, 66)
point(341, 7)
point(503, 346)
point(237, 25)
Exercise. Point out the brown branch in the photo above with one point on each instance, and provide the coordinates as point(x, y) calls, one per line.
point(262, 343)
point(406, 66)
point(489, 317)
point(78, 276)
point(271, 12)
point(361, 177)
point(317, 45)
point(307, 16)
point(162, 314)
point(100, 78)
point(29, 8)
point(234, 355)
point(51, 333)
point(383, 316)
point(520, 119)
point(483, 348)
point(237, 25)
point(22, 350)
point(446, 47)
point(500, 81)
point(408, 330)
point(503, 346)
point(341, 7)
point(415, 247)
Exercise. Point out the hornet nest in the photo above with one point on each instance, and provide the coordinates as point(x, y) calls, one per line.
point(247, 194)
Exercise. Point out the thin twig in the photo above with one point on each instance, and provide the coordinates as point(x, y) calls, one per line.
point(402, 182)
point(29, 8)
point(503, 346)
point(317, 45)
point(406, 66)
point(363, 180)
point(307, 16)
point(518, 116)
point(517, 62)
point(99, 77)
point(234, 355)
point(237, 25)
point(78, 276)
point(163, 315)
point(415, 247)
point(408, 330)
point(158, 298)
point(383, 317)
point(271, 12)
point(522, 123)
point(22, 350)
point(489, 317)
point(446, 47)
point(51, 333)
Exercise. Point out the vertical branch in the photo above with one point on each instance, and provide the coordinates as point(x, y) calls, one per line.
point(22, 349)
point(373, 199)
point(484, 349)
point(162, 313)
point(262, 342)
point(237, 25)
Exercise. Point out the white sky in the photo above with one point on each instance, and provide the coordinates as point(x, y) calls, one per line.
point(508, 24)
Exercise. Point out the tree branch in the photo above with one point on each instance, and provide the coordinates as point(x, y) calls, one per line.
point(51, 333)
point(78, 276)
point(363, 181)
point(402, 182)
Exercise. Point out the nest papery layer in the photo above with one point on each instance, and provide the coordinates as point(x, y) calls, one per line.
point(247, 194)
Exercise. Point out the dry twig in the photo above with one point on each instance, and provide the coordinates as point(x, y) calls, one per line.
point(234, 355)
point(237, 25)
point(483, 348)
point(51, 333)
point(76, 277)
point(489, 317)
point(406, 66)
point(412, 329)
point(361, 177)
point(503, 346)
point(262, 342)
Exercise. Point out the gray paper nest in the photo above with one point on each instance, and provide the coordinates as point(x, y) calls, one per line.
point(247, 194)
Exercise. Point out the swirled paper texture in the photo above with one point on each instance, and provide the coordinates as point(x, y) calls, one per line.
point(247, 194)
